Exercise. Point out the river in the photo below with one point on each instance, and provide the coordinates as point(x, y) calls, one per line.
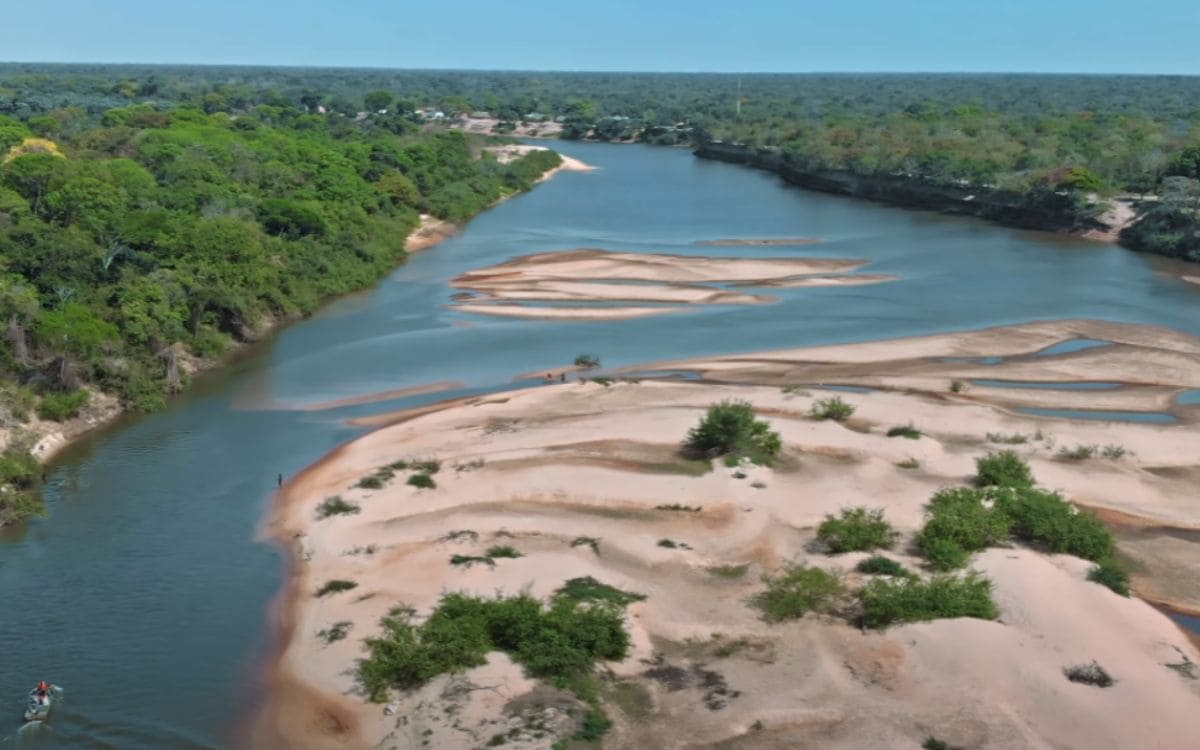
point(145, 593)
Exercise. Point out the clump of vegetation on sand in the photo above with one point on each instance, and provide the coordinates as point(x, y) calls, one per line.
point(731, 429)
point(889, 601)
point(831, 408)
point(879, 565)
point(336, 506)
point(336, 586)
point(1002, 469)
point(905, 431)
point(797, 590)
point(857, 529)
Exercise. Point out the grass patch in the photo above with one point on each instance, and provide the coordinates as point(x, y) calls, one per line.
point(587, 541)
point(467, 561)
point(879, 565)
point(335, 632)
point(960, 521)
point(799, 589)
point(426, 466)
point(795, 390)
point(906, 431)
point(371, 482)
point(909, 463)
point(679, 508)
point(1186, 667)
point(336, 506)
point(422, 481)
point(1078, 453)
point(889, 601)
point(606, 382)
point(461, 535)
point(588, 589)
point(855, 530)
point(730, 429)
point(1015, 438)
point(729, 571)
point(503, 551)
point(831, 408)
point(560, 641)
point(1111, 573)
point(59, 407)
point(336, 586)
point(1002, 469)
point(1090, 674)
point(1114, 451)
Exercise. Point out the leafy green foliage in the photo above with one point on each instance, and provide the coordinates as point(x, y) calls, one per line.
point(336, 586)
point(1002, 469)
point(1112, 573)
point(60, 407)
point(882, 566)
point(503, 550)
point(730, 428)
point(1044, 518)
point(335, 506)
point(588, 589)
point(587, 361)
point(20, 476)
point(1090, 674)
point(831, 408)
point(797, 590)
point(857, 529)
point(422, 481)
point(906, 431)
point(959, 521)
point(560, 640)
point(890, 601)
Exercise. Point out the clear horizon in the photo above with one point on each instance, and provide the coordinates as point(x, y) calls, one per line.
point(669, 36)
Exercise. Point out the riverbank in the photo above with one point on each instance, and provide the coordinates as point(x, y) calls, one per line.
point(543, 468)
point(46, 439)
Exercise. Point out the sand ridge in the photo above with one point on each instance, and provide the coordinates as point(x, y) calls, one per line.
point(539, 467)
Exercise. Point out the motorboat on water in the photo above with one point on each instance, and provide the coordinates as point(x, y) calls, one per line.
point(37, 708)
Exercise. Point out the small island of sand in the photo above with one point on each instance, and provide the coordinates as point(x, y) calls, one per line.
point(540, 489)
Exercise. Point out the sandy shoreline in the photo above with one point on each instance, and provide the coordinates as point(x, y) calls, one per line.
point(551, 462)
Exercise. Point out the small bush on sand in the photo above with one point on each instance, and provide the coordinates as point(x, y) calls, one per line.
point(587, 541)
point(1014, 439)
point(422, 481)
point(1003, 469)
point(909, 463)
point(933, 743)
point(1089, 674)
point(831, 408)
point(59, 407)
point(879, 565)
point(372, 482)
point(855, 530)
point(1112, 573)
point(905, 431)
point(336, 506)
point(466, 561)
point(958, 386)
point(1045, 519)
point(729, 571)
point(679, 508)
point(1114, 451)
point(503, 550)
point(730, 427)
point(1078, 453)
point(959, 521)
point(588, 589)
point(888, 601)
point(426, 466)
point(797, 590)
point(336, 587)
point(335, 632)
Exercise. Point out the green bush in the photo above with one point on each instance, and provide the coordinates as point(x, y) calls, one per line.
point(831, 408)
point(422, 481)
point(335, 506)
point(882, 566)
point(1078, 453)
point(958, 521)
point(1003, 469)
point(59, 407)
point(856, 530)
point(372, 482)
point(1044, 518)
point(588, 589)
point(799, 589)
point(336, 587)
point(1014, 439)
point(1112, 573)
point(503, 550)
point(889, 601)
point(562, 640)
point(907, 431)
point(731, 428)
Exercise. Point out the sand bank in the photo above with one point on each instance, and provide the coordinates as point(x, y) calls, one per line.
point(542, 466)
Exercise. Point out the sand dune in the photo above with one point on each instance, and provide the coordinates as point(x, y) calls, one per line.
point(537, 468)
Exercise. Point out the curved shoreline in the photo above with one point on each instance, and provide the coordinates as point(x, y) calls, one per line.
point(338, 468)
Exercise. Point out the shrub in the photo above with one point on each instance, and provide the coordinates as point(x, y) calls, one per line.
point(503, 550)
point(336, 506)
point(1114, 451)
point(427, 466)
point(587, 361)
point(1090, 674)
point(933, 743)
point(888, 601)
point(729, 571)
point(422, 481)
point(1078, 453)
point(1003, 469)
point(1046, 519)
point(856, 530)
point(606, 382)
point(731, 428)
point(957, 386)
point(1112, 573)
point(668, 543)
point(909, 463)
point(469, 560)
point(882, 566)
point(336, 587)
point(372, 482)
point(831, 408)
point(1014, 439)
point(680, 508)
point(958, 522)
point(59, 407)
point(907, 431)
point(587, 541)
point(335, 632)
point(588, 589)
point(799, 589)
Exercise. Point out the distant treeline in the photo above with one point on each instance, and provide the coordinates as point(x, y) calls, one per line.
point(1077, 137)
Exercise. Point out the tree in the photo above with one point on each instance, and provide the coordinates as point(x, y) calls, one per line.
point(73, 333)
point(1186, 163)
point(19, 305)
point(377, 101)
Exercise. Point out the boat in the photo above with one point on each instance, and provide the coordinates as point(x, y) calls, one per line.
point(38, 706)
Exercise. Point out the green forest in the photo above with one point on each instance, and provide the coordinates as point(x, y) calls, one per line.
point(140, 241)
point(1084, 138)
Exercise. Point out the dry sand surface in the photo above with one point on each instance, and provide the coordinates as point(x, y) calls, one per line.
point(540, 467)
point(577, 279)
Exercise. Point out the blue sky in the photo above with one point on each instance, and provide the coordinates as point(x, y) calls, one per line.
point(1146, 36)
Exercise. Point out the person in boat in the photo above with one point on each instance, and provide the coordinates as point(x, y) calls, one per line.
point(43, 691)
